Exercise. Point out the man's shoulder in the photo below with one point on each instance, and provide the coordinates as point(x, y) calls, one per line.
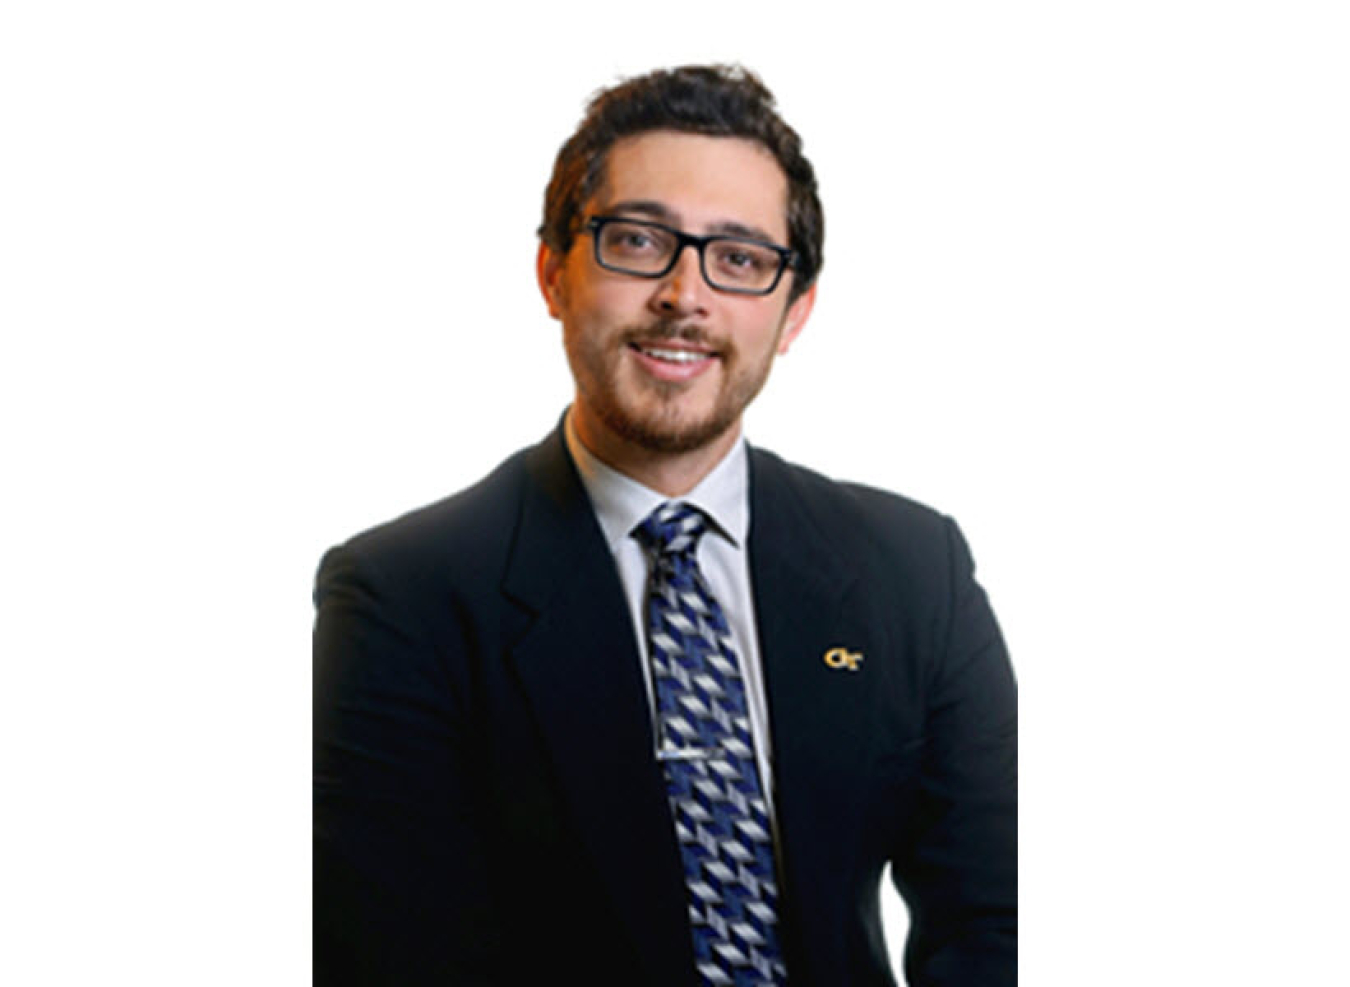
point(885, 536)
point(472, 528)
point(891, 543)
point(844, 507)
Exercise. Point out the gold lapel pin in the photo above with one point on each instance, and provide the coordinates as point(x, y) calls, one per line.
point(843, 658)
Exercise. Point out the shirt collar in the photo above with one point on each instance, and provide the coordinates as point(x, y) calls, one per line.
point(622, 503)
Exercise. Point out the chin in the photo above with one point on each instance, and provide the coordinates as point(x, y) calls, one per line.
point(669, 431)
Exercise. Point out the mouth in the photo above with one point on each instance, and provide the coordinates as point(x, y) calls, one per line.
point(672, 354)
point(673, 360)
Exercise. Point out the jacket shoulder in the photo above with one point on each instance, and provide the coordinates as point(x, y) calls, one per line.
point(463, 534)
point(858, 519)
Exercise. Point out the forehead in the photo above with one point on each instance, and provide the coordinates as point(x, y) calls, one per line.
point(702, 182)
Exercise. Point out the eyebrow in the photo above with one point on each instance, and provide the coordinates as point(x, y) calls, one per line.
point(661, 213)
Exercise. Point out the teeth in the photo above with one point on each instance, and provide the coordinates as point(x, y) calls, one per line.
point(675, 356)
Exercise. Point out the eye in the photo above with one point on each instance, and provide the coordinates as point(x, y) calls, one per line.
point(742, 260)
point(631, 240)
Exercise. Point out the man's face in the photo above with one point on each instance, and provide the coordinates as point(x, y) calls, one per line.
point(669, 364)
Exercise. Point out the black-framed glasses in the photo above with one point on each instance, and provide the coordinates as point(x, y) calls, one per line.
point(741, 265)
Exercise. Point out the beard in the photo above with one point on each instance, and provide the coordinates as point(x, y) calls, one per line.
point(653, 414)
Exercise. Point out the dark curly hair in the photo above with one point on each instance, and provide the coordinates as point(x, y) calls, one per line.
point(717, 100)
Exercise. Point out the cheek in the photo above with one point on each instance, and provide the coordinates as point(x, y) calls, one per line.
point(766, 335)
point(613, 299)
point(588, 340)
point(590, 306)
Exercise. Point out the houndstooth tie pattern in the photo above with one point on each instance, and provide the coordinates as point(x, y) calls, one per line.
point(708, 754)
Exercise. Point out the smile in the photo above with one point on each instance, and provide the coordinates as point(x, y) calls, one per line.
point(673, 364)
point(674, 356)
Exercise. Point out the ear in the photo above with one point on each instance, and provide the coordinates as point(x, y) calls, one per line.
point(548, 269)
point(795, 319)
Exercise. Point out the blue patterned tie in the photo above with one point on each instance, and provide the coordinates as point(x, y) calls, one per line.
point(708, 753)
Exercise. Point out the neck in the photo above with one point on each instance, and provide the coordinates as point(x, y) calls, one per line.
point(670, 474)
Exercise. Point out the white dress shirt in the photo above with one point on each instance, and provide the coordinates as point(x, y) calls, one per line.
point(621, 504)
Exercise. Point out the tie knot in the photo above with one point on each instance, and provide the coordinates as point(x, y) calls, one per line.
point(674, 528)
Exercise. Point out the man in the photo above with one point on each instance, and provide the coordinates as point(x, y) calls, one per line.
point(647, 705)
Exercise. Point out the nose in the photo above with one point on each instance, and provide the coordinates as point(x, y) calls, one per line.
point(682, 292)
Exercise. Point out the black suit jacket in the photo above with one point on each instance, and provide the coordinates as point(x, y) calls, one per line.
point(487, 807)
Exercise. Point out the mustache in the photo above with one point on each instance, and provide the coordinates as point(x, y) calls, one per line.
point(666, 330)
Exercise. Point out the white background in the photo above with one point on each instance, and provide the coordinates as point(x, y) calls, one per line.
point(266, 279)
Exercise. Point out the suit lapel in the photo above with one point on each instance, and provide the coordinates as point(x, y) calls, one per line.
point(819, 715)
point(579, 666)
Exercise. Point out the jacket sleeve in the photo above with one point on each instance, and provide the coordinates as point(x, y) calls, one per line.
point(403, 889)
point(957, 865)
